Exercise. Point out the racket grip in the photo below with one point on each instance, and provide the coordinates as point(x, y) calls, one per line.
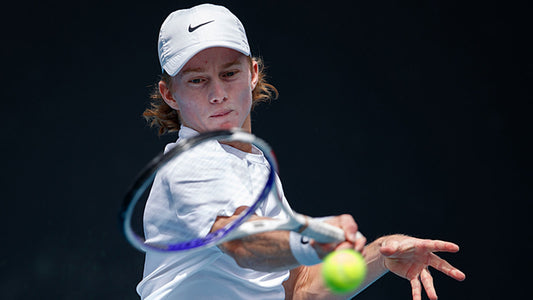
point(320, 231)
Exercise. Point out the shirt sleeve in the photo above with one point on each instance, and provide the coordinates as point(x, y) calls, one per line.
point(198, 187)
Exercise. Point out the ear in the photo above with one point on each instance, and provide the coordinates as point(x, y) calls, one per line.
point(255, 74)
point(166, 93)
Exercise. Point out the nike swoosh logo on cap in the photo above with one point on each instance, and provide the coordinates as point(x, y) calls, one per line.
point(191, 29)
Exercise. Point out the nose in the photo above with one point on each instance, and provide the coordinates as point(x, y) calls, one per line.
point(217, 93)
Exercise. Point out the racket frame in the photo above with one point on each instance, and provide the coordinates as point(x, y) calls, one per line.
point(322, 232)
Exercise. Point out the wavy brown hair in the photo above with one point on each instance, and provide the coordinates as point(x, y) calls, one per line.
point(167, 119)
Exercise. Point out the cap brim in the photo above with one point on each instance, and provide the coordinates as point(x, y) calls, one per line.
point(173, 67)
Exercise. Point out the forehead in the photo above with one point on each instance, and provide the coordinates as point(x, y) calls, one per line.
point(213, 58)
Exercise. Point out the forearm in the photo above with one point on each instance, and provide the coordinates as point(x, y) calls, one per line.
point(267, 252)
point(307, 282)
point(375, 265)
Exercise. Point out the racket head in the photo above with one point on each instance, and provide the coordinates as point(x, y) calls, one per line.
point(146, 176)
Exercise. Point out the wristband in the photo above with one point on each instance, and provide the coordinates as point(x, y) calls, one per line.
point(302, 250)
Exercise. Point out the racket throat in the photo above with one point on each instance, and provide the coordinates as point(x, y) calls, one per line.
point(303, 221)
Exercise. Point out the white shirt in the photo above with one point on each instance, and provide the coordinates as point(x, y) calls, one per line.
point(187, 196)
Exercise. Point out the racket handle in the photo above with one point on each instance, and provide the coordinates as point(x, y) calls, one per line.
point(320, 231)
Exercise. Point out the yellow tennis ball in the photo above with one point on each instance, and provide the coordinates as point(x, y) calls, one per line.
point(344, 270)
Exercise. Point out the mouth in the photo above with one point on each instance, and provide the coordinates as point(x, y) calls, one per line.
point(221, 113)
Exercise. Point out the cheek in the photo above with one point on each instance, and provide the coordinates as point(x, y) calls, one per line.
point(181, 103)
point(246, 97)
point(188, 109)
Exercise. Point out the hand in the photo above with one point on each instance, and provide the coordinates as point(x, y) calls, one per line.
point(354, 239)
point(410, 258)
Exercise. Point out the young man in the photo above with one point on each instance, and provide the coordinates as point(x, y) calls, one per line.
point(210, 81)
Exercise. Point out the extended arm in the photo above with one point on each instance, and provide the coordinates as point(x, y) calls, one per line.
point(405, 256)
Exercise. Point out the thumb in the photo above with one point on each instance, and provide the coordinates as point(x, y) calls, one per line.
point(388, 248)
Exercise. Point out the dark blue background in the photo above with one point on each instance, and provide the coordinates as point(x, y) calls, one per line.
point(413, 116)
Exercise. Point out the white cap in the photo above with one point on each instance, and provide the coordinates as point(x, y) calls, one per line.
point(186, 32)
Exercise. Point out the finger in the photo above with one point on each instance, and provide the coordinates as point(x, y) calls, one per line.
point(441, 246)
point(347, 223)
point(416, 289)
point(344, 245)
point(427, 282)
point(360, 242)
point(329, 247)
point(445, 267)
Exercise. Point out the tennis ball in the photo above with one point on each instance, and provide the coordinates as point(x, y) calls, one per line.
point(344, 270)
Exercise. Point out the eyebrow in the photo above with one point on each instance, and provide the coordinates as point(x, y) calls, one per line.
point(236, 62)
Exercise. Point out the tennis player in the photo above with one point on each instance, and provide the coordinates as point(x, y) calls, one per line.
point(211, 81)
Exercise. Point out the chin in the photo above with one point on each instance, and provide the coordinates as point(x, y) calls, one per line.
point(228, 125)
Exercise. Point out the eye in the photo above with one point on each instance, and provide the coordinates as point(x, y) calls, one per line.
point(196, 80)
point(229, 74)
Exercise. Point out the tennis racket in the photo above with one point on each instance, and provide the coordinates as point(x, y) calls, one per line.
point(305, 225)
